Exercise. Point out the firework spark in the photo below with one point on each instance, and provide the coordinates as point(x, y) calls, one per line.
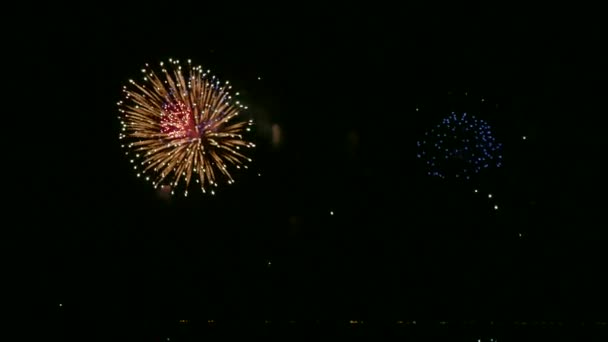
point(459, 146)
point(177, 126)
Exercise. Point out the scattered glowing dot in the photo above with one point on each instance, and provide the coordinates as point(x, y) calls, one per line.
point(524, 137)
point(460, 146)
point(60, 304)
point(259, 78)
point(331, 213)
point(489, 195)
point(495, 207)
point(475, 191)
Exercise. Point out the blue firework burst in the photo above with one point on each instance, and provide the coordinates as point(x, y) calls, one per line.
point(459, 147)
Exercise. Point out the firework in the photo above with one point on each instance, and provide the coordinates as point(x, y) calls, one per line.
point(460, 146)
point(180, 127)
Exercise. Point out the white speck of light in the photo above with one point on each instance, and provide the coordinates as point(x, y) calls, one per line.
point(259, 78)
point(331, 213)
point(524, 137)
point(475, 190)
point(489, 195)
point(60, 304)
point(495, 207)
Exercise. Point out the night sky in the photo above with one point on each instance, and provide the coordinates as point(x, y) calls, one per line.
point(343, 85)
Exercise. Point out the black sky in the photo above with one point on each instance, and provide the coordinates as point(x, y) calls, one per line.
point(399, 244)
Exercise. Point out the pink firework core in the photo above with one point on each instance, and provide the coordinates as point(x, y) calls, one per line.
point(178, 121)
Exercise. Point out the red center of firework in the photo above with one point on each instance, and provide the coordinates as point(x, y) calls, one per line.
point(177, 121)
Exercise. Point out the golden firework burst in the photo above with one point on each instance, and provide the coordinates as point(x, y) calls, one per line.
point(180, 126)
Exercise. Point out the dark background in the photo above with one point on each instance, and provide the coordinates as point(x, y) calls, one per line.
point(343, 84)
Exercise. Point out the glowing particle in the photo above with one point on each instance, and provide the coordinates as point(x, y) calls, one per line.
point(489, 195)
point(331, 213)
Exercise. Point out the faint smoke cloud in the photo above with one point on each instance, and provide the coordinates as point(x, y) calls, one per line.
point(276, 135)
point(164, 192)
